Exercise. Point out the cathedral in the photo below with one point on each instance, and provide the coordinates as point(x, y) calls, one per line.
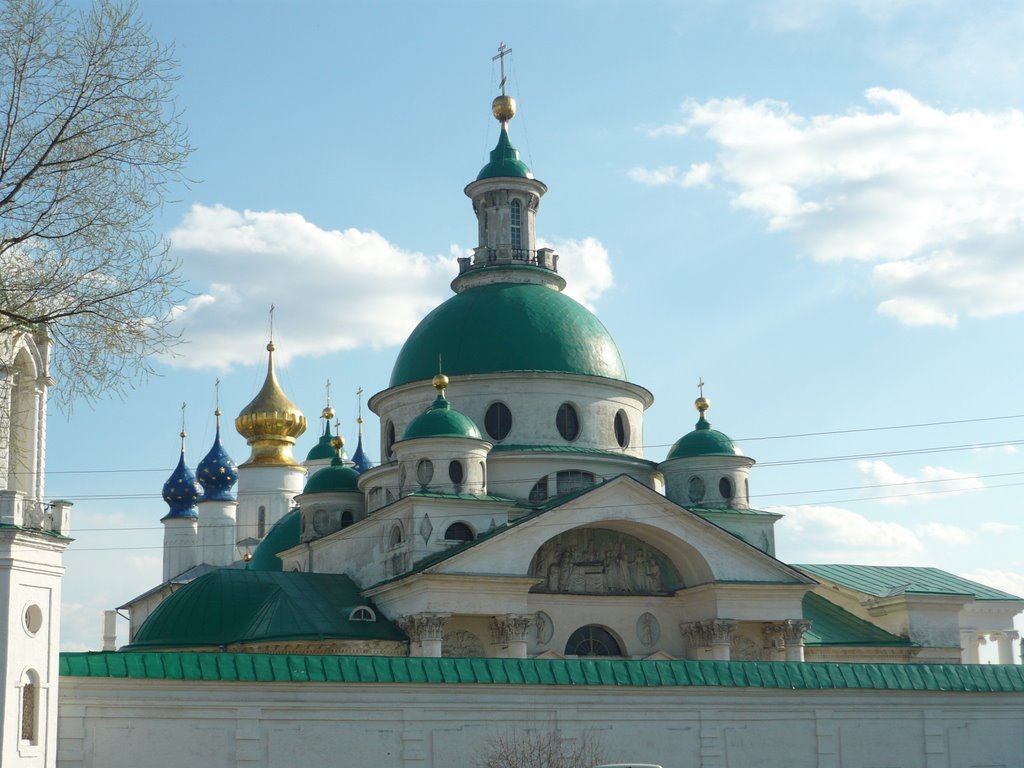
point(514, 561)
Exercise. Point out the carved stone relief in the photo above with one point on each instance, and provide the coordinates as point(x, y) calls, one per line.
point(595, 561)
point(461, 643)
point(545, 628)
point(648, 630)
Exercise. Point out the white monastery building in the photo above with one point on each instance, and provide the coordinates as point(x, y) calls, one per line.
point(515, 564)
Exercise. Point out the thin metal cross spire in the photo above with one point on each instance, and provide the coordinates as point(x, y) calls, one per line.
point(503, 51)
point(700, 385)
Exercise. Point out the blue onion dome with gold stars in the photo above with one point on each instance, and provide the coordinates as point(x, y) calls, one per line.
point(182, 491)
point(441, 420)
point(217, 473)
point(703, 440)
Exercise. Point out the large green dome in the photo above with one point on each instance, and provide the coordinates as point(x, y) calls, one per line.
point(508, 327)
point(284, 534)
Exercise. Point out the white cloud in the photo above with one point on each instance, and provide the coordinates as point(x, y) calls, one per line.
point(333, 289)
point(698, 175)
point(999, 528)
point(933, 200)
point(950, 535)
point(904, 488)
point(833, 534)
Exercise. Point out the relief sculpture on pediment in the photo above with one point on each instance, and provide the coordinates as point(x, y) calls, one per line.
point(596, 561)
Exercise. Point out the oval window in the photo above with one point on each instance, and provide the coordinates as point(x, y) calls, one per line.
point(389, 440)
point(725, 488)
point(695, 489)
point(621, 429)
point(567, 421)
point(455, 472)
point(498, 421)
point(424, 471)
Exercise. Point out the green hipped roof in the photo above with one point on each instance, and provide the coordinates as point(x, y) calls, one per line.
point(615, 673)
point(337, 478)
point(832, 625)
point(238, 606)
point(284, 534)
point(504, 160)
point(703, 441)
point(889, 581)
point(508, 327)
point(441, 420)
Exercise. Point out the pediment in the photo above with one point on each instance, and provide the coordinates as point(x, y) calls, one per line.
point(625, 519)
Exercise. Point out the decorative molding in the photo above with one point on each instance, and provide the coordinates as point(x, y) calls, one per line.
point(708, 632)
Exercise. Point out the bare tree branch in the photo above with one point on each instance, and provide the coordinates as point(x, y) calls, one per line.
point(92, 142)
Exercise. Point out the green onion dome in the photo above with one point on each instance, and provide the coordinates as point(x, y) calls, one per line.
point(441, 420)
point(703, 440)
point(504, 160)
point(505, 327)
point(337, 478)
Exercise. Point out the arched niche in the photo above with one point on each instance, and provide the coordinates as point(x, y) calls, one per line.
point(604, 561)
point(20, 410)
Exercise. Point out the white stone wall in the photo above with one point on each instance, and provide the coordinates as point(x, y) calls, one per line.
point(118, 723)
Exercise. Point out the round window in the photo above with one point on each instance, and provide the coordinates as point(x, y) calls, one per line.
point(33, 619)
point(621, 429)
point(455, 472)
point(498, 421)
point(567, 421)
point(424, 471)
point(725, 488)
point(695, 489)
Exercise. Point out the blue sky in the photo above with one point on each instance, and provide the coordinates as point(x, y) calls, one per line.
point(815, 206)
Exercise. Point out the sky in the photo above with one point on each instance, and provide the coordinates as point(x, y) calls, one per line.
point(817, 206)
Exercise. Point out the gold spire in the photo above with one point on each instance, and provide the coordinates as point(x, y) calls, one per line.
point(271, 422)
point(503, 107)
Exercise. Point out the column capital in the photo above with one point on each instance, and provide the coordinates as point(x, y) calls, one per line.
point(707, 632)
point(423, 626)
point(793, 631)
point(510, 628)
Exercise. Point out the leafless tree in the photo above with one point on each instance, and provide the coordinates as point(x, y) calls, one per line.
point(542, 749)
point(92, 143)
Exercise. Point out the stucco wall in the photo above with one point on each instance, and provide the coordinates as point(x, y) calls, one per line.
point(115, 723)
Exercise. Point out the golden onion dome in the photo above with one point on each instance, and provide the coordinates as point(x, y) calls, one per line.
point(271, 422)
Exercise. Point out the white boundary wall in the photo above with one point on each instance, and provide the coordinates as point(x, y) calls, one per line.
point(124, 723)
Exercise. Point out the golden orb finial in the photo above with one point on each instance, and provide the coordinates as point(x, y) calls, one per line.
point(440, 383)
point(702, 404)
point(337, 443)
point(503, 108)
point(327, 413)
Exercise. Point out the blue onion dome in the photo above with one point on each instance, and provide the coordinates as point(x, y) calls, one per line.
point(703, 440)
point(441, 420)
point(337, 478)
point(217, 473)
point(359, 458)
point(181, 491)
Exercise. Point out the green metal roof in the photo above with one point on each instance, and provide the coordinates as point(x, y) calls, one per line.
point(441, 420)
point(621, 673)
point(284, 534)
point(337, 478)
point(705, 511)
point(508, 327)
point(237, 606)
point(703, 441)
point(832, 625)
point(504, 160)
point(889, 581)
